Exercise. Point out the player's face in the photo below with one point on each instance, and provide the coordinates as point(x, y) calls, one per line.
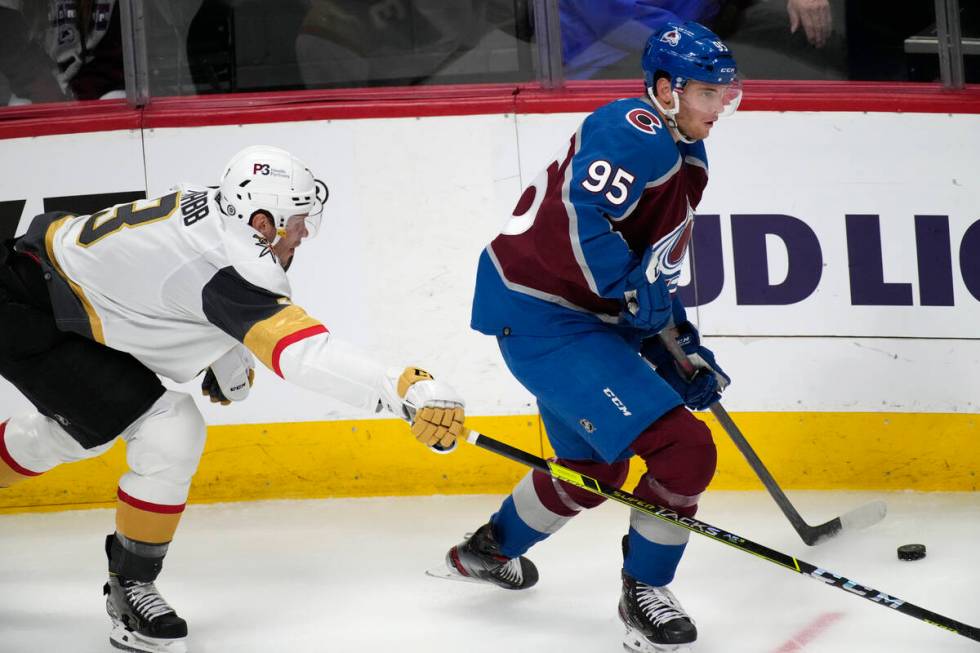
point(285, 247)
point(701, 105)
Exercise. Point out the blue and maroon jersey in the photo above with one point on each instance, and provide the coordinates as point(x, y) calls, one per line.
point(621, 186)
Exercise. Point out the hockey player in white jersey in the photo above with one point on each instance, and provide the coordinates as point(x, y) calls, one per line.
point(94, 308)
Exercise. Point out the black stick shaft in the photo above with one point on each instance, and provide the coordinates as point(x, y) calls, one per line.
point(703, 528)
point(805, 531)
point(809, 534)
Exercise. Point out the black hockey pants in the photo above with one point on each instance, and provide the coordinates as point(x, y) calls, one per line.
point(93, 391)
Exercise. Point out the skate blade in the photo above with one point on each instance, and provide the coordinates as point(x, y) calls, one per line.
point(126, 640)
point(445, 573)
point(635, 642)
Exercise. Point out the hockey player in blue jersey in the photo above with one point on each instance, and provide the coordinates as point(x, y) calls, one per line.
point(576, 289)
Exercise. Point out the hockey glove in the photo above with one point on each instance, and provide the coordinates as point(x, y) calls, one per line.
point(648, 303)
point(433, 408)
point(230, 377)
point(709, 380)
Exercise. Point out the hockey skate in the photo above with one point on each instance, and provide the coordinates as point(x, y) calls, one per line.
point(142, 622)
point(478, 559)
point(654, 619)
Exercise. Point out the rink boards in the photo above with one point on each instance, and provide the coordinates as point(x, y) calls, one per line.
point(838, 284)
point(822, 451)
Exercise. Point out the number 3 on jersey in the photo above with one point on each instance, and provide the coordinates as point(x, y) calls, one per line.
point(603, 175)
point(108, 222)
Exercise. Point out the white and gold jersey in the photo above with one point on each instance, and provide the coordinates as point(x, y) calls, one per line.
point(176, 284)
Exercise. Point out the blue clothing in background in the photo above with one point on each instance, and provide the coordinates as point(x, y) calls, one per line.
point(598, 33)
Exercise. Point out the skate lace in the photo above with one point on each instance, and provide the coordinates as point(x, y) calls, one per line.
point(146, 600)
point(511, 571)
point(658, 604)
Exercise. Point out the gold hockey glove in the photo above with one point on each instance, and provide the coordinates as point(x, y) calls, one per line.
point(435, 410)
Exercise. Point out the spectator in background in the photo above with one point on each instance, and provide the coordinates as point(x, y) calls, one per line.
point(790, 39)
point(84, 37)
point(356, 43)
point(598, 35)
point(813, 16)
point(28, 70)
point(786, 39)
point(52, 50)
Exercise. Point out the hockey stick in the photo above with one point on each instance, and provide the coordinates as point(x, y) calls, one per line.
point(702, 528)
point(860, 517)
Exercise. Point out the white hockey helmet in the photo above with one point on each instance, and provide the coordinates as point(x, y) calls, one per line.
point(270, 179)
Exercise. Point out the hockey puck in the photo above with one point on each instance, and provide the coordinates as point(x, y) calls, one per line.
point(912, 552)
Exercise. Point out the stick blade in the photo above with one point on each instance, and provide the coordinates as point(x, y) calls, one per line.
point(861, 517)
point(864, 516)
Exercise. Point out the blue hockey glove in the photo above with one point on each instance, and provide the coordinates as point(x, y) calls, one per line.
point(709, 380)
point(648, 303)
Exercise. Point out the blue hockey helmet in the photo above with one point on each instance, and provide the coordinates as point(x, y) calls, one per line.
point(690, 51)
point(687, 51)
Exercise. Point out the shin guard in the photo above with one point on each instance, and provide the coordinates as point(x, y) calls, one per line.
point(163, 451)
point(540, 505)
point(681, 458)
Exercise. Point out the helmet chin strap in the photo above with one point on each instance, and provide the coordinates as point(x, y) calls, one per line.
point(669, 114)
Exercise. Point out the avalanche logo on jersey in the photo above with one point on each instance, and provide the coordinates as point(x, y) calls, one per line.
point(669, 252)
point(644, 120)
point(671, 38)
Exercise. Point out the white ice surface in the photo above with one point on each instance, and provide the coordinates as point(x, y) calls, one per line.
point(347, 576)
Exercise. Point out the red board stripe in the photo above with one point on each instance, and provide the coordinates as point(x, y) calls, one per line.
point(458, 100)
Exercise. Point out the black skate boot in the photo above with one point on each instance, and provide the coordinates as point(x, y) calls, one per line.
point(142, 621)
point(479, 558)
point(654, 619)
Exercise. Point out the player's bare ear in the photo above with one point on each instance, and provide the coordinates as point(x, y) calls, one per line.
point(664, 92)
point(262, 223)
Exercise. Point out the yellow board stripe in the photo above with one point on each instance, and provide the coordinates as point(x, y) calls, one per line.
point(94, 321)
point(804, 451)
